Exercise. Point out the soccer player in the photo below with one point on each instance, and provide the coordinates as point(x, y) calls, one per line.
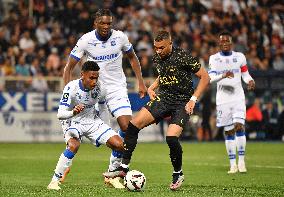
point(228, 68)
point(106, 46)
point(78, 116)
point(176, 98)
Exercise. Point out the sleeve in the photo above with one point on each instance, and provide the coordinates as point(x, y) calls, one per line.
point(65, 110)
point(190, 62)
point(126, 45)
point(79, 49)
point(244, 70)
point(214, 77)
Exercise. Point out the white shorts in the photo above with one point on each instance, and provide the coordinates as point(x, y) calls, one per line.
point(230, 113)
point(118, 103)
point(96, 131)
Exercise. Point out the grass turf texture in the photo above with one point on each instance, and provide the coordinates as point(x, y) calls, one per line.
point(26, 170)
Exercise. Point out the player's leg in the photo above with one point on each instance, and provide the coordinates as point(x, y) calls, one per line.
point(116, 144)
point(225, 119)
point(142, 119)
point(239, 113)
point(241, 146)
point(73, 141)
point(175, 147)
point(100, 133)
point(67, 171)
point(230, 142)
point(178, 120)
point(119, 106)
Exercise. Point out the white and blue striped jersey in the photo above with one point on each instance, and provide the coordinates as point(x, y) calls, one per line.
point(74, 94)
point(107, 54)
point(228, 89)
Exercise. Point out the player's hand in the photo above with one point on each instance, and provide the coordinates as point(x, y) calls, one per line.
point(251, 85)
point(78, 108)
point(142, 90)
point(189, 107)
point(151, 93)
point(228, 74)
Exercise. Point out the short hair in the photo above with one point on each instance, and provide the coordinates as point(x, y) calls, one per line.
point(225, 33)
point(162, 35)
point(102, 12)
point(90, 66)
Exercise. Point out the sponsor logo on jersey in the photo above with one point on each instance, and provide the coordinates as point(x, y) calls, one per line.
point(93, 43)
point(224, 71)
point(106, 57)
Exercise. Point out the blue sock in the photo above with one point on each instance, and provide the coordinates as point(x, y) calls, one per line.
point(115, 153)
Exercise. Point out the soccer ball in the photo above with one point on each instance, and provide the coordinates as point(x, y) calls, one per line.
point(134, 180)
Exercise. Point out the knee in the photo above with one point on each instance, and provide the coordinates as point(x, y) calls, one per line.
point(239, 127)
point(115, 143)
point(230, 132)
point(123, 126)
point(73, 145)
point(119, 146)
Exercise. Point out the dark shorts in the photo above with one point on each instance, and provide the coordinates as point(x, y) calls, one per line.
point(161, 108)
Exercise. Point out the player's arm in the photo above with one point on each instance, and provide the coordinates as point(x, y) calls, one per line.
point(214, 77)
point(74, 57)
point(247, 78)
point(203, 82)
point(137, 70)
point(201, 73)
point(65, 109)
point(68, 69)
point(152, 88)
point(64, 112)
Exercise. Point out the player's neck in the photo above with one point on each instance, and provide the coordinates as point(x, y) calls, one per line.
point(101, 38)
point(226, 53)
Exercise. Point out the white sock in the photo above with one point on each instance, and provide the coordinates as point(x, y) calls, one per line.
point(62, 164)
point(124, 165)
point(116, 156)
point(114, 162)
point(177, 171)
point(241, 145)
point(230, 143)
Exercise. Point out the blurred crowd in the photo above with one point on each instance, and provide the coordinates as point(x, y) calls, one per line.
point(36, 39)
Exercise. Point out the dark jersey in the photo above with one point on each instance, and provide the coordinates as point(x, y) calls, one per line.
point(175, 75)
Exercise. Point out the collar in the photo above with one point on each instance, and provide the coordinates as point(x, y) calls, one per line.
point(82, 87)
point(100, 38)
point(223, 53)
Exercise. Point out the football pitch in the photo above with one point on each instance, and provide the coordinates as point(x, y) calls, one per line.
point(26, 170)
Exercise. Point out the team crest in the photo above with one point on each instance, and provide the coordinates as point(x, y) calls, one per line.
point(113, 43)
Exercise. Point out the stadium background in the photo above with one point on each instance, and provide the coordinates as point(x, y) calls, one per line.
point(36, 38)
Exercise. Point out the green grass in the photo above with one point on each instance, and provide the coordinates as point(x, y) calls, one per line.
point(26, 170)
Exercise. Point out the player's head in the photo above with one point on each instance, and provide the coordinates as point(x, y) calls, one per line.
point(225, 41)
point(163, 43)
point(103, 22)
point(90, 74)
